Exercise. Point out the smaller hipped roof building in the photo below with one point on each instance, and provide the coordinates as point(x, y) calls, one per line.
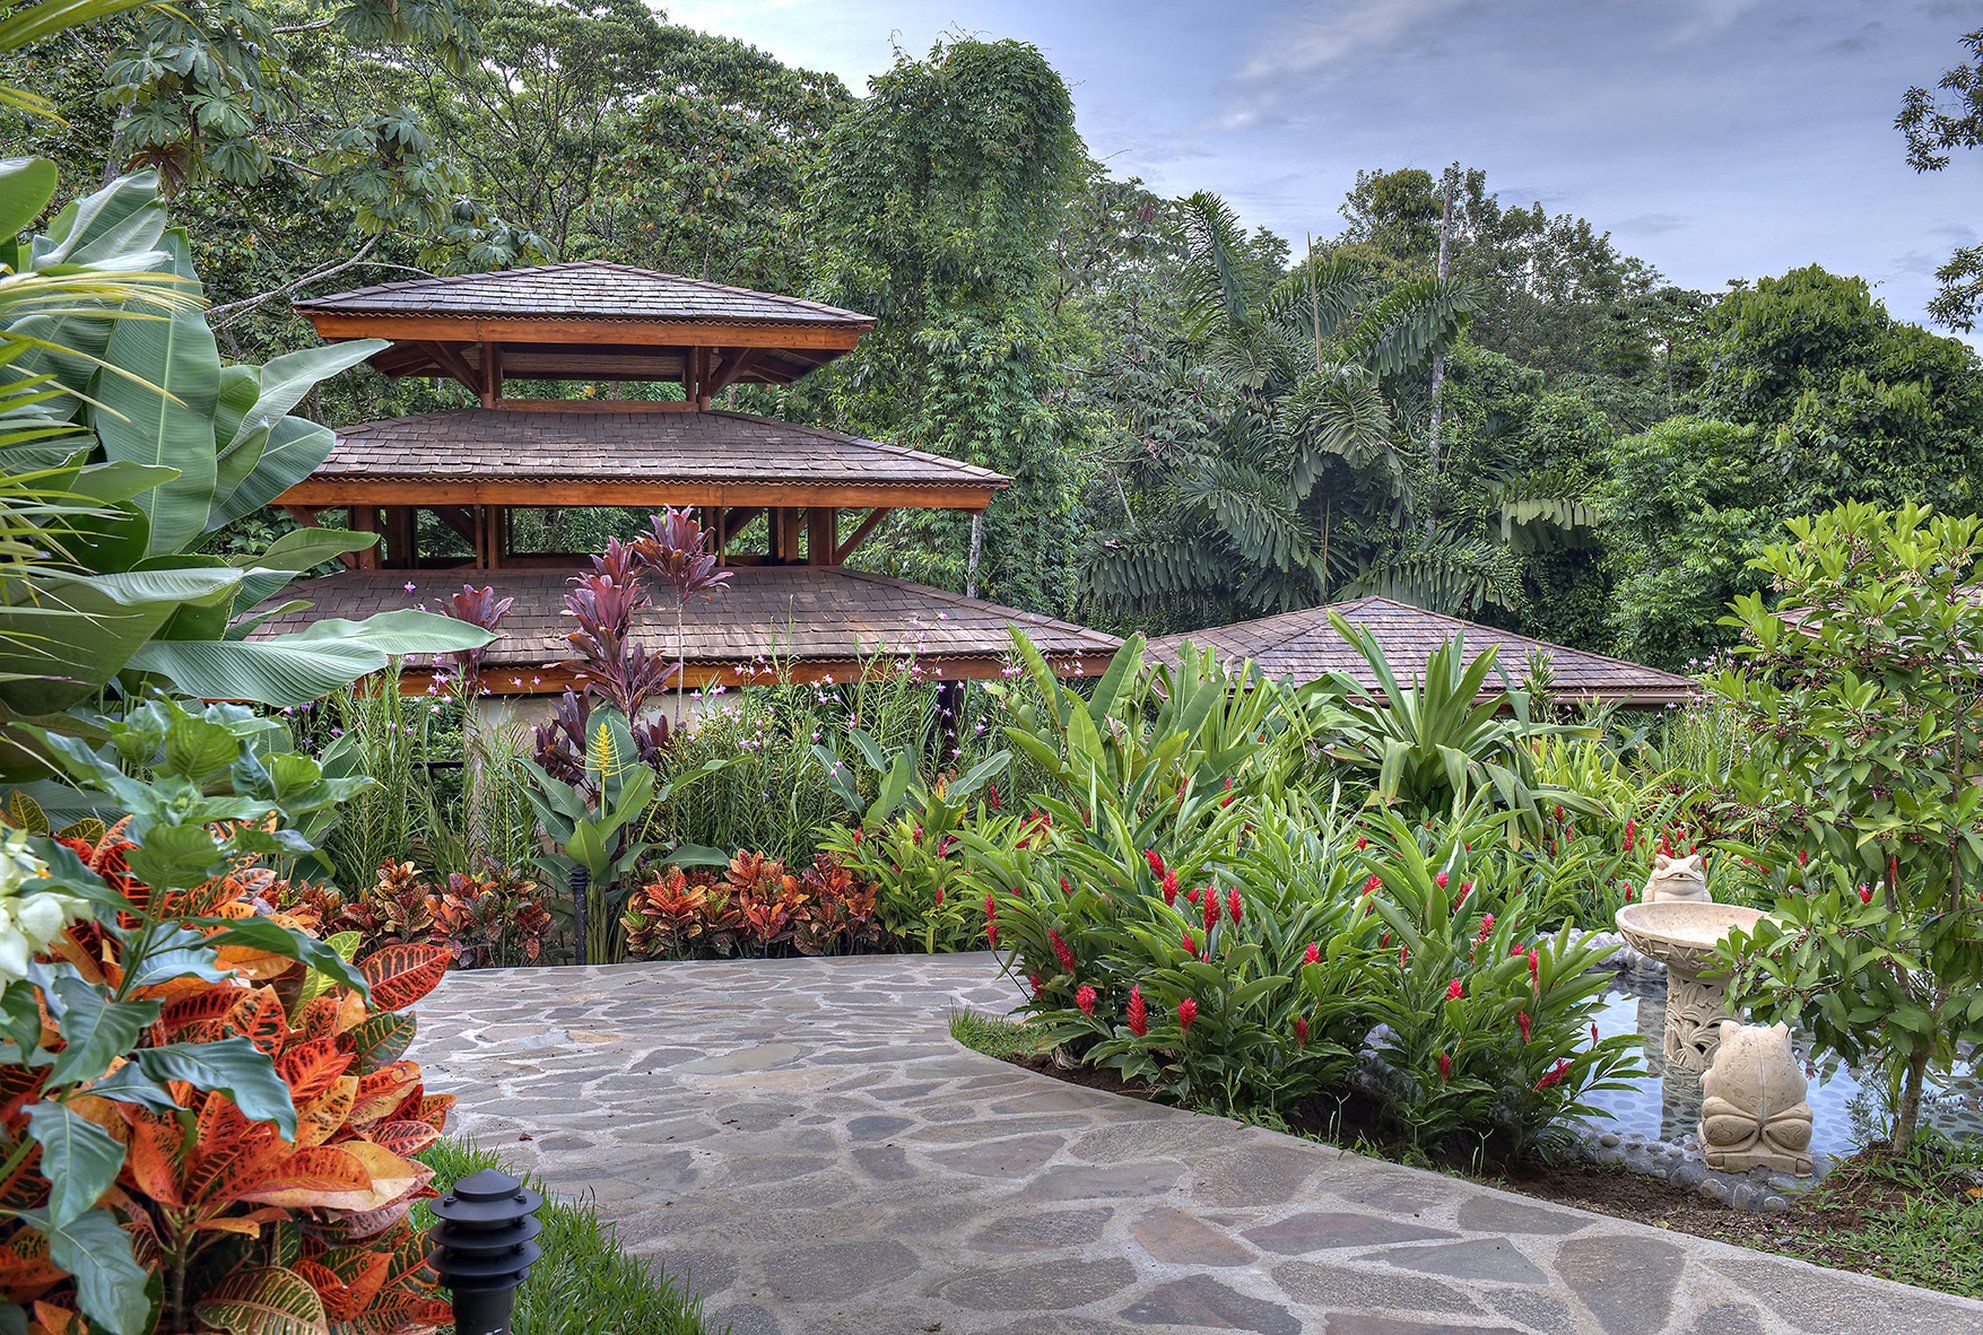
point(1304, 647)
point(788, 504)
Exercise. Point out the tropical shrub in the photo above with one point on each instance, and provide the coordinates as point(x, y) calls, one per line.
point(196, 1077)
point(492, 919)
point(1859, 693)
point(753, 907)
point(1236, 943)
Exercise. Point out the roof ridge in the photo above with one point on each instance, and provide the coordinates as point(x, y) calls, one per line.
point(711, 285)
point(402, 283)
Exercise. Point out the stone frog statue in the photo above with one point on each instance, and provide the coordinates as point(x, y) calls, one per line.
point(1681, 879)
point(1753, 1113)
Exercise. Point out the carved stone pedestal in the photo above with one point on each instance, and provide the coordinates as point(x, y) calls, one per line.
point(1683, 935)
point(1695, 1008)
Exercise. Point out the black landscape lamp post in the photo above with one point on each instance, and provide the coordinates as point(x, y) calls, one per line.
point(484, 1248)
point(580, 881)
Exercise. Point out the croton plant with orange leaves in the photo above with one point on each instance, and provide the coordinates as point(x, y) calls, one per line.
point(209, 1121)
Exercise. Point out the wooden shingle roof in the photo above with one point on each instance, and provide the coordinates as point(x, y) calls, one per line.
point(819, 621)
point(483, 455)
point(1304, 647)
point(584, 289)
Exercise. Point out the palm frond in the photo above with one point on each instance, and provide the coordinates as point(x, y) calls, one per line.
point(1403, 327)
point(1443, 573)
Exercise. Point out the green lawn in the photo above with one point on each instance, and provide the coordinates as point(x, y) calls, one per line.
point(585, 1285)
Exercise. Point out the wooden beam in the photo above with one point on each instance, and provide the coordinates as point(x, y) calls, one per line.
point(334, 325)
point(540, 493)
point(520, 679)
point(451, 361)
point(459, 519)
point(734, 364)
point(785, 533)
point(860, 534)
point(598, 406)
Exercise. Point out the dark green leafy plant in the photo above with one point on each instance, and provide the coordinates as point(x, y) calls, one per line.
point(1859, 691)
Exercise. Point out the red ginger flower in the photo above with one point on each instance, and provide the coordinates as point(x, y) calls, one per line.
point(1232, 904)
point(1190, 945)
point(1372, 883)
point(1523, 1022)
point(1454, 990)
point(1211, 909)
point(1440, 880)
point(1865, 894)
point(1486, 927)
point(1084, 997)
point(1313, 955)
point(1593, 1034)
point(1555, 1075)
point(1631, 833)
point(1535, 967)
point(1187, 1011)
point(991, 921)
point(1404, 953)
point(1065, 888)
point(1170, 886)
point(1156, 863)
point(1466, 888)
point(1039, 983)
point(1061, 951)
point(1361, 843)
point(1445, 1068)
point(1139, 1013)
point(1301, 1030)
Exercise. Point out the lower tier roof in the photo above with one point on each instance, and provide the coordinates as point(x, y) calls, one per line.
point(808, 622)
point(1304, 647)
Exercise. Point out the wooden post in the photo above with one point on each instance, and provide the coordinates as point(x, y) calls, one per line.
point(785, 535)
point(492, 374)
point(822, 535)
point(402, 543)
point(365, 519)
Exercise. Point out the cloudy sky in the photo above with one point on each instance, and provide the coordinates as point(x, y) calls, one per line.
point(1714, 138)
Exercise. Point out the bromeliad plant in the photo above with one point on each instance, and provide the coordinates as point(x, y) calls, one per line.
point(192, 1076)
point(1428, 745)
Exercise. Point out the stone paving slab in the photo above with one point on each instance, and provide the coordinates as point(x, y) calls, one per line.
point(805, 1142)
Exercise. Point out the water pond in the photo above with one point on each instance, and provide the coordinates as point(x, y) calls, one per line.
point(1667, 1104)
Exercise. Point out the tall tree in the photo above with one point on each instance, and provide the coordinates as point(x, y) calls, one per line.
point(1937, 122)
point(936, 211)
point(1287, 480)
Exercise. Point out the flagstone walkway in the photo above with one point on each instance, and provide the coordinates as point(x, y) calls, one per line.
point(806, 1142)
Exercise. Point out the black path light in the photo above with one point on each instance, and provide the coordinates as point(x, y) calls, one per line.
point(484, 1247)
point(581, 881)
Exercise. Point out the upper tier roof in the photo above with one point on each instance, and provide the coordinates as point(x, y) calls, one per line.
point(1303, 647)
point(584, 289)
point(519, 457)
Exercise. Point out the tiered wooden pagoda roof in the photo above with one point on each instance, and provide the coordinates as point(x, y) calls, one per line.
point(1304, 647)
point(788, 503)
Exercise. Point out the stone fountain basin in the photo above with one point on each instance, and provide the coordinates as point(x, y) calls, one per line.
point(1683, 933)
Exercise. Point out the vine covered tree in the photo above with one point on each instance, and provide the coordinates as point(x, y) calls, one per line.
point(935, 211)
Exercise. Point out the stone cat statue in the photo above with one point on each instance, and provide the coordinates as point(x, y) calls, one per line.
point(1676, 878)
point(1753, 1113)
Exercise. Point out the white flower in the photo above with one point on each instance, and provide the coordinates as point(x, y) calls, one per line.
point(28, 921)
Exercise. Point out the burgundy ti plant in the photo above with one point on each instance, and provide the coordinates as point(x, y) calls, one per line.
point(676, 552)
point(478, 607)
point(617, 670)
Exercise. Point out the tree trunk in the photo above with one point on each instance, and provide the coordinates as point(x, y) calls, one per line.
point(1908, 1116)
point(1439, 354)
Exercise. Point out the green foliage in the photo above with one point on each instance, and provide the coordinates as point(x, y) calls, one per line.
point(201, 792)
point(934, 207)
point(1858, 694)
point(1431, 743)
